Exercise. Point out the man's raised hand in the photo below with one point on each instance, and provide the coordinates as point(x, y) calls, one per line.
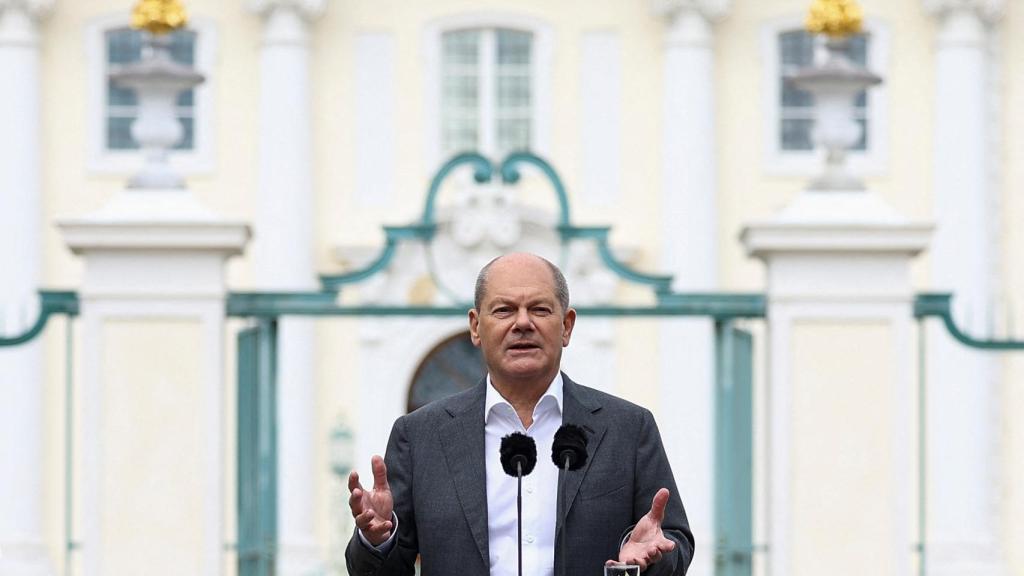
point(647, 543)
point(372, 510)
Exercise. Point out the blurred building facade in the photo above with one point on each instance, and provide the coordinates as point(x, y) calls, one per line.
point(322, 121)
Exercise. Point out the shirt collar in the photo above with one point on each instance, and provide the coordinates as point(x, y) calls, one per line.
point(554, 391)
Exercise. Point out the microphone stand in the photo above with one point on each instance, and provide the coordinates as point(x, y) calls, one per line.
point(565, 517)
point(519, 513)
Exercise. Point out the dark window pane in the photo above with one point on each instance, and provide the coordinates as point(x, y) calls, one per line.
point(119, 135)
point(862, 144)
point(188, 138)
point(453, 366)
point(513, 47)
point(796, 135)
point(793, 97)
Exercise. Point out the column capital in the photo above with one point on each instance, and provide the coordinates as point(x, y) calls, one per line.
point(36, 9)
point(988, 10)
point(308, 9)
point(711, 10)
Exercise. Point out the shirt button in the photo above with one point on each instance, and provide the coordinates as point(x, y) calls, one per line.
point(529, 489)
point(529, 539)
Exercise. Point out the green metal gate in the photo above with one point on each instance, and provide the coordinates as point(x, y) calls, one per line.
point(733, 397)
point(257, 449)
point(734, 450)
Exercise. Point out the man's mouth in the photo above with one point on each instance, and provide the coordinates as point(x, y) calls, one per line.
point(523, 346)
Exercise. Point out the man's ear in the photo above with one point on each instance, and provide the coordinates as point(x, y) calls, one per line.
point(567, 324)
point(474, 324)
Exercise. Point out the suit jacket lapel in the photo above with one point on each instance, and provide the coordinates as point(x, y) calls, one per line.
point(582, 409)
point(462, 440)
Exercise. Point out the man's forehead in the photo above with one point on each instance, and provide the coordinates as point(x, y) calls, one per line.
point(521, 293)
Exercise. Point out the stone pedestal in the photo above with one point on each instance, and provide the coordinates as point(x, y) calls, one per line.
point(151, 437)
point(842, 358)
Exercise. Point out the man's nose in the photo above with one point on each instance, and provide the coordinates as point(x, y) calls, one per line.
point(523, 321)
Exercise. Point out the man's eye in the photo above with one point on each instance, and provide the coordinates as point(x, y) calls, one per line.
point(542, 310)
point(502, 310)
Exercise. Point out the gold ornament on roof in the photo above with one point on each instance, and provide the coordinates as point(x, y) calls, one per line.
point(835, 18)
point(159, 16)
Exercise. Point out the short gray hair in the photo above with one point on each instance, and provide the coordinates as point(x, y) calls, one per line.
point(561, 286)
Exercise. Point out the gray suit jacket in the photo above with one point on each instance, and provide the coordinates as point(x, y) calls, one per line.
point(435, 460)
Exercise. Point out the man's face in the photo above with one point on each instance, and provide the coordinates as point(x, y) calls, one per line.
point(521, 327)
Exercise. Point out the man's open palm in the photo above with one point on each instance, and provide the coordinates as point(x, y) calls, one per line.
point(372, 510)
point(647, 543)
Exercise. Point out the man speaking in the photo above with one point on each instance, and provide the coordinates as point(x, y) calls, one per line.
point(441, 492)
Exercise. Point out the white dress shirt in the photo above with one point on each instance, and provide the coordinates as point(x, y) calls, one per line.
point(540, 488)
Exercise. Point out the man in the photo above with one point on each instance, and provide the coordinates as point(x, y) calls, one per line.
point(441, 492)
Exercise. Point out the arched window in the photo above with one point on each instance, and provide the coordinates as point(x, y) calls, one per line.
point(452, 366)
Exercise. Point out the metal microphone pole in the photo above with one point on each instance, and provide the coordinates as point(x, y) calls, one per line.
point(519, 514)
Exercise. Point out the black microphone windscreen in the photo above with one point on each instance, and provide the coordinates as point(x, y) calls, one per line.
point(518, 448)
point(570, 444)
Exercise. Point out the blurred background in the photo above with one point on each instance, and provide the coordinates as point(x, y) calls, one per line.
point(256, 225)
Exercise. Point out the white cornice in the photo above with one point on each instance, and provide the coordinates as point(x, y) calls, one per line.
point(37, 9)
point(712, 10)
point(989, 10)
point(308, 9)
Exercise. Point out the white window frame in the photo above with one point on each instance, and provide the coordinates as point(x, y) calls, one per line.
point(542, 49)
point(102, 161)
point(870, 162)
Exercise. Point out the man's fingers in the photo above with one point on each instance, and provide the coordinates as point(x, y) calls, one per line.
point(380, 473)
point(364, 520)
point(666, 546)
point(353, 481)
point(658, 505)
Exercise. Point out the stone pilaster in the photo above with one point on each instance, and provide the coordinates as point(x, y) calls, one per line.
point(283, 253)
point(963, 416)
point(689, 249)
point(21, 368)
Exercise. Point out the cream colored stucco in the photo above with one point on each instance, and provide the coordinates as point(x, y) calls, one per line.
point(843, 440)
point(152, 442)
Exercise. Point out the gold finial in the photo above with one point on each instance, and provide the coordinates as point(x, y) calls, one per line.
point(836, 18)
point(159, 16)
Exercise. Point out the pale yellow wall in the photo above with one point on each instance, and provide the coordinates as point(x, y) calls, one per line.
point(153, 442)
point(843, 440)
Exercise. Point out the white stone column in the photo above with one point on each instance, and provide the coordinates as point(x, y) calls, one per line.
point(841, 389)
point(22, 549)
point(151, 436)
point(689, 250)
point(963, 416)
point(283, 253)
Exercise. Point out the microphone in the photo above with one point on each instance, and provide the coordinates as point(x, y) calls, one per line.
point(518, 457)
point(569, 448)
point(568, 452)
point(518, 454)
